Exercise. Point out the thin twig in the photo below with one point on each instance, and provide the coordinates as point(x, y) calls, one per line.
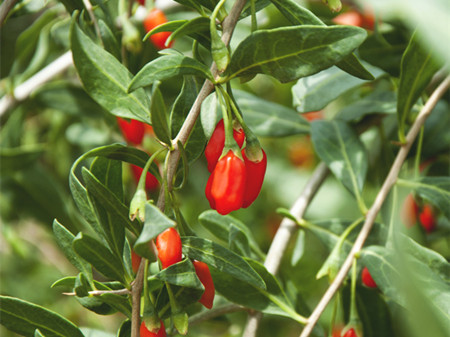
point(101, 292)
point(24, 90)
point(376, 206)
point(284, 234)
point(87, 4)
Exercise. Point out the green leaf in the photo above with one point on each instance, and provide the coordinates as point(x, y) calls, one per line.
point(238, 241)
point(343, 152)
point(168, 66)
point(109, 40)
point(269, 119)
point(434, 189)
point(37, 333)
point(198, 25)
point(24, 318)
point(315, 92)
point(299, 248)
point(156, 222)
point(210, 114)
point(220, 227)
point(106, 80)
point(94, 303)
point(221, 258)
point(64, 239)
point(290, 53)
point(298, 15)
point(417, 68)
point(101, 258)
point(181, 274)
point(119, 302)
point(14, 159)
point(159, 116)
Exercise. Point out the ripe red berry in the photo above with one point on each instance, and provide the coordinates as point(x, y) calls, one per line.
point(409, 211)
point(151, 183)
point(427, 218)
point(144, 332)
point(367, 279)
point(155, 18)
point(203, 273)
point(168, 244)
point(255, 172)
point(350, 333)
point(215, 145)
point(133, 131)
point(228, 183)
point(313, 115)
point(135, 261)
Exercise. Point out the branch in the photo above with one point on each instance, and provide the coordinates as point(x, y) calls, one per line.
point(24, 90)
point(284, 234)
point(101, 292)
point(376, 206)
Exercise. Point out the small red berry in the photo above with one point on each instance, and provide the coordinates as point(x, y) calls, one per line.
point(168, 244)
point(350, 333)
point(255, 172)
point(313, 115)
point(367, 279)
point(203, 273)
point(133, 131)
point(144, 332)
point(427, 218)
point(155, 18)
point(151, 183)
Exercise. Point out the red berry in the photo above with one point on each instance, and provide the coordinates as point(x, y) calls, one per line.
point(155, 18)
point(427, 218)
point(313, 115)
point(208, 194)
point(228, 183)
point(133, 131)
point(367, 279)
point(350, 18)
point(215, 145)
point(144, 332)
point(168, 244)
point(135, 261)
point(350, 333)
point(203, 273)
point(409, 211)
point(255, 172)
point(151, 183)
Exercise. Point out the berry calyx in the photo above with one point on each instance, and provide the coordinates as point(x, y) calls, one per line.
point(144, 332)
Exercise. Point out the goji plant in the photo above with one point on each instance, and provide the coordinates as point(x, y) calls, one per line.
point(224, 168)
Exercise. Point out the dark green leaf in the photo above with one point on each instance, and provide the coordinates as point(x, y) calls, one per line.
point(268, 119)
point(119, 302)
point(159, 116)
point(24, 318)
point(109, 40)
point(290, 53)
point(101, 258)
point(93, 303)
point(196, 25)
point(221, 258)
point(156, 222)
point(181, 274)
point(64, 239)
point(417, 68)
point(106, 80)
point(343, 152)
point(314, 92)
point(238, 241)
point(298, 15)
point(125, 329)
point(168, 66)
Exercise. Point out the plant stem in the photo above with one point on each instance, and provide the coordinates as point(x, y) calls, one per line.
point(376, 206)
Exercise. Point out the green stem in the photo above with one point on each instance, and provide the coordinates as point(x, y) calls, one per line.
point(390, 237)
point(287, 309)
point(418, 154)
point(230, 143)
point(353, 312)
point(253, 10)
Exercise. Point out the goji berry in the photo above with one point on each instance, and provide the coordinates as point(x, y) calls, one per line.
point(168, 244)
point(204, 275)
point(133, 131)
point(427, 218)
point(367, 278)
point(155, 18)
point(215, 145)
point(151, 183)
point(228, 183)
point(255, 171)
point(409, 211)
point(135, 261)
point(144, 332)
point(350, 333)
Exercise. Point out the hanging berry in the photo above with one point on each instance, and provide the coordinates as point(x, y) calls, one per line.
point(204, 275)
point(255, 171)
point(367, 279)
point(168, 244)
point(427, 218)
point(155, 18)
point(133, 131)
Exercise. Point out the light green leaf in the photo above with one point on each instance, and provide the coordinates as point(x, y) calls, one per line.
point(24, 318)
point(106, 80)
point(168, 66)
point(221, 258)
point(343, 152)
point(159, 116)
point(181, 274)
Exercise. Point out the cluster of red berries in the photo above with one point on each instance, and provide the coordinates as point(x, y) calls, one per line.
point(412, 213)
point(235, 180)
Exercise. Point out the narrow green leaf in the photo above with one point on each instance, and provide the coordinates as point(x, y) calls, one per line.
point(109, 40)
point(37, 333)
point(24, 318)
point(119, 302)
point(290, 53)
point(168, 66)
point(221, 258)
point(299, 248)
point(94, 303)
point(156, 222)
point(194, 26)
point(314, 92)
point(299, 15)
point(64, 239)
point(101, 258)
point(159, 116)
point(343, 152)
point(417, 68)
point(210, 114)
point(106, 80)
point(238, 241)
point(181, 274)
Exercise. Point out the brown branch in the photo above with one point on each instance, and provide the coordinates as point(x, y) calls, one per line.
point(376, 206)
